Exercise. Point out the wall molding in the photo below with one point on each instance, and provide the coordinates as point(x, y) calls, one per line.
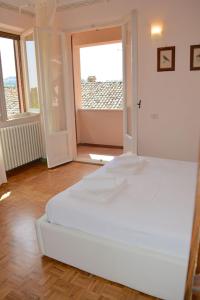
point(99, 145)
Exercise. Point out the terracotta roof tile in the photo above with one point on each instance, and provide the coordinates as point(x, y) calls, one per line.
point(102, 95)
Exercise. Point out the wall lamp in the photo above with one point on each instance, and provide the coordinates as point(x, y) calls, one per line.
point(156, 30)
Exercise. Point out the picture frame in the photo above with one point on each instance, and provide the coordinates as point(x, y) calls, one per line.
point(194, 57)
point(166, 59)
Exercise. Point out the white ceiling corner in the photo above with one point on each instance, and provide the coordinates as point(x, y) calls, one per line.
point(28, 6)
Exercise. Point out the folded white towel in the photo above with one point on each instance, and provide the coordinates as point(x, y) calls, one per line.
point(101, 184)
point(99, 189)
point(127, 157)
point(128, 167)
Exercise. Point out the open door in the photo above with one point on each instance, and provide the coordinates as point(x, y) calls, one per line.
point(53, 88)
point(129, 39)
point(52, 78)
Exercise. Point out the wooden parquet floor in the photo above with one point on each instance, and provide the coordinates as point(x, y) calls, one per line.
point(24, 273)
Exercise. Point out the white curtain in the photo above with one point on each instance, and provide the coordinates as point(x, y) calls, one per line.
point(45, 11)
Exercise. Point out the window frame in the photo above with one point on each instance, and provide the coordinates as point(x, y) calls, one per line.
point(19, 78)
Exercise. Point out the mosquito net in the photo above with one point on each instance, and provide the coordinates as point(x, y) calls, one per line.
point(45, 11)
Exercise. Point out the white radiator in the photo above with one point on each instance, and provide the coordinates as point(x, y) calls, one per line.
point(21, 144)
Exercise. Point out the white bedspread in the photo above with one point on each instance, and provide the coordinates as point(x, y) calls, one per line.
point(98, 188)
point(154, 210)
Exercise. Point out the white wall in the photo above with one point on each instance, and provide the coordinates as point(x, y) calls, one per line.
point(102, 127)
point(13, 21)
point(174, 97)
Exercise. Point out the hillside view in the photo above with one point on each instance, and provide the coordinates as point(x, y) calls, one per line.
point(10, 81)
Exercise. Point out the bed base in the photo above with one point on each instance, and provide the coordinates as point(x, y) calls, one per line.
point(141, 269)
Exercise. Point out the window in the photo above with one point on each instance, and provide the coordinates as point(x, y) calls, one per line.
point(11, 90)
point(101, 76)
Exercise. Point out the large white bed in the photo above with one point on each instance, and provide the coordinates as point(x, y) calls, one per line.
point(138, 234)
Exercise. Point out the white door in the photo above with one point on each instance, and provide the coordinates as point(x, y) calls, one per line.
point(53, 94)
point(129, 40)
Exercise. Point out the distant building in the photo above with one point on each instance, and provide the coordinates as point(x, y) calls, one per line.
point(91, 79)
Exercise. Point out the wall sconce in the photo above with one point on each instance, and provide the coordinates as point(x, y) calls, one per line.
point(156, 30)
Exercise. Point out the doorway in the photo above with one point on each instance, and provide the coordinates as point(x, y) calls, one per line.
point(57, 84)
point(98, 81)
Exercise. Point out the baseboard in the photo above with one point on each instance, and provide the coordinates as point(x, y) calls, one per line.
point(100, 145)
point(24, 167)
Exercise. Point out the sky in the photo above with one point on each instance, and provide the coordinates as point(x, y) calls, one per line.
point(31, 60)
point(103, 61)
point(8, 60)
point(7, 57)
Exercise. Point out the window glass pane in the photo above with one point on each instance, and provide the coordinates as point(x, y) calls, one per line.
point(101, 76)
point(32, 72)
point(9, 76)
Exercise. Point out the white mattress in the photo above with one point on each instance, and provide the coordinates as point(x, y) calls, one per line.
point(154, 211)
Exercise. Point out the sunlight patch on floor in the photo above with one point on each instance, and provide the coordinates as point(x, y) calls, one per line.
point(5, 196)
point(101, 157)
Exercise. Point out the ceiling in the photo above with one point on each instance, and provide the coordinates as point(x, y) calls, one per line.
point(28, 6)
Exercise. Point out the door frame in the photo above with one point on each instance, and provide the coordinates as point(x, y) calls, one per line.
point(117, 23)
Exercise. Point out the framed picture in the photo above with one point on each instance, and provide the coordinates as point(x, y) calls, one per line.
point(166, 59)
point(195, 57)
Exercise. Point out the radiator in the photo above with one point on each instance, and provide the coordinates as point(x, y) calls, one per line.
point(21, 144)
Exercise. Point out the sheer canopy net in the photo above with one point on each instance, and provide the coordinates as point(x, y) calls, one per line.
point(50, 46)
point(45, 11)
